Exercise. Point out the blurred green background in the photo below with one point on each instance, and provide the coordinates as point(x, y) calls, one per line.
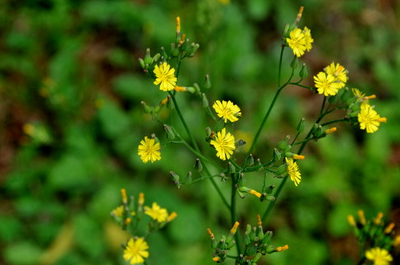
point(71, 120)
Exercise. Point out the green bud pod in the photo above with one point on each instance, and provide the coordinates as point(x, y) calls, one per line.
point(188, 178)
point(169, 132)
point(207, 83)
point(259, 165)
point(190, 89)
point(231, 168)
point(241, 194)
point(198, 165)
point(156, 57)
point(250, 160)
point(270, 198)
point(253, 233)
point(205, 100)
point(295, 63)
point(300, 126)
point(208, 132)
point(174, 50)
point(317, 130)
point(284, 143)
point(267, 237)
point(164, 54)
point(197, 88)
point(231, 244)
point(147, 58)
point(157, 109)
point(246, 239)
point(303, 72)
point(193, 48)
point(260, 233)
point(175, 178)
point(147, 108)
point(141, 62)
point(286, 32)
point(256, 258)
point(277, 154)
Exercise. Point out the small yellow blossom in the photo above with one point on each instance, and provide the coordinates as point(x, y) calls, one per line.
point(180, 89)
point(308, 39)
point(149, 150)
point(338, 72)
point(227, 110)
point(396, 241)
point(136, 251)
point(280, 249)
point(298, 157)
point(216, 259)
point(178, 25)
point(210, 233)
point(224, 143)
point(351, 220)
point(172, 217)
point(128, 221)
point(369, 119)
point(123, 195)
point(255, 193)
point(297, 42)
point(156, 212)
point(325, 84)
point(293, 171)
point(361, 216)
point(378, 256)
point(331, 130)
point(378, 218)
point(119, 211)
point(141, 199)
point(234, 228)
point(165, 77)
point(389, 228)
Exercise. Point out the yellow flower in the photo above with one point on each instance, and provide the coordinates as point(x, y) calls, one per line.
point(136, 250)
point(119, 211)
point(297, 42)
point(227, 110)
point(224, 143)
point(369, 119)
point(308, 39)
point(378, 256)
point(325, 83)
point(293, 171)
point(338, 72)
point(149, 150)
point(165, 76)
point(156, 212)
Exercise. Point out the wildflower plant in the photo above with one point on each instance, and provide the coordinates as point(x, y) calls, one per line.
point(284, 162)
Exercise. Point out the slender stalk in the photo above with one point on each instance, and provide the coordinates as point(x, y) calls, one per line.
point(334, 121)
point(233, 211)
point(296, 84)
point(272, 203)
point(323, 106)
point(280, 65)
point(196, 147)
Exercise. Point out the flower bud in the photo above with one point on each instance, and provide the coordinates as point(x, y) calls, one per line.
point(300, 126)
point(207, 83)
point(283, 144)
point(147, 58)
point(197, 88)
point(205, 100)
point(188, 178)
point(193, 48)
point(169, 132)
point(198, 166)
point(174, 50)
point(175, 178)
point(303, 72)
point(277, 154)
point(156, 57)
point(141, 62)
point(246, 239)
point(231, 168)
point(267, 237)
point(250, 160)
point(147, 108)
point(294, 63)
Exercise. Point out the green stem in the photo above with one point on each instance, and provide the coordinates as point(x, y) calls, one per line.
point(196, 147)
point(334, 121)
point(296, 84)
point(233, 212)
point(322, 107)
point(280, 65)
point(272, 203)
